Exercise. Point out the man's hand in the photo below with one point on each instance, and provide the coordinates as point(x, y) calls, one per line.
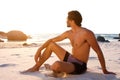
point(107, 72)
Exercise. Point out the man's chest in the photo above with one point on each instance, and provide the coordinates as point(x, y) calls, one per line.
point(77, 39)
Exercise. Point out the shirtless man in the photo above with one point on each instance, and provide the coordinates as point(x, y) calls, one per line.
point(81, 40)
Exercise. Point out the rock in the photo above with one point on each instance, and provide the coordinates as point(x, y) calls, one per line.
point(16, 35)
point(1, 32)
point(1, 40)
point(117, 37)
point(101, 39)
point(25, 44)
point(3, 35)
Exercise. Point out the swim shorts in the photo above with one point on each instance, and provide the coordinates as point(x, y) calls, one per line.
point(80, 67)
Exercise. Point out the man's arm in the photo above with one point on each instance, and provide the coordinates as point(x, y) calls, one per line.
point(56, 39)
point(93, 43)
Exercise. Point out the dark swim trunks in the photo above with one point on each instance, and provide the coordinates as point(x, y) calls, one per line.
point(80, 67)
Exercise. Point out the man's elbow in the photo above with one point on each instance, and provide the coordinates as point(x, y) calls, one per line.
point(51, 40)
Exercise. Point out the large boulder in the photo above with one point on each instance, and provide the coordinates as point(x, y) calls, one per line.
point(101, 39)
point(16, 35)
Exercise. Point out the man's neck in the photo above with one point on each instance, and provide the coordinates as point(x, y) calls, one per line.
point(76, 28)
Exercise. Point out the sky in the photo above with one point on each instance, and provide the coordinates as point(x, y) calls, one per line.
point(49, 16)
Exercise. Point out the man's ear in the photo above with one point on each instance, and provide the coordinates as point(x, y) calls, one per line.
point(72, 21)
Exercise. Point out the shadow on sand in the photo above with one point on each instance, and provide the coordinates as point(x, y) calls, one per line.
point(86, 76)
point(7, 65)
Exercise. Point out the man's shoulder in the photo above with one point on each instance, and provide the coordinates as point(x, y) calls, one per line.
point(68, 31)
point(88, 31)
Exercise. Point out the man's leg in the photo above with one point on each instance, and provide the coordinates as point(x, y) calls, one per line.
point(52, 47)
point(60, 66)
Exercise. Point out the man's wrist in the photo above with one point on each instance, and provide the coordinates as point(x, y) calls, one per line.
point(104, 70)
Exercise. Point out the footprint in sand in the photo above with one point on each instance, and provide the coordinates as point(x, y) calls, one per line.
point(98, 67)
point(119, 59)
point(15, 55)
point(31, 55)
point(93, 58)
point(118, 53)
point(7, 65)
point(109, 60)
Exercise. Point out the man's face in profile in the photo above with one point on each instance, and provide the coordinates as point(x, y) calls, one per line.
point(68, 23)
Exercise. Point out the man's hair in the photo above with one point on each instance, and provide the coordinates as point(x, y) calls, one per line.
point(76, 16)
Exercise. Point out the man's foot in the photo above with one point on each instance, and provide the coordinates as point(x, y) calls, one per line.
point(54, 74)
point(58, 75)
point(47, 66)
point(33, 69)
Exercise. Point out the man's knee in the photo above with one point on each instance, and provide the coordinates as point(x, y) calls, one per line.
point(56, 66)
point(51, 44)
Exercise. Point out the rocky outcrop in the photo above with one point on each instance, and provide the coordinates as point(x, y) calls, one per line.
point(1, 40)
point(3, 35)
point(16, 35)
point(117, 37)
point(101, 39)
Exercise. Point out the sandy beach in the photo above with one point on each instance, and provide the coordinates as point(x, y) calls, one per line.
point(13, 60)
point(26, 24)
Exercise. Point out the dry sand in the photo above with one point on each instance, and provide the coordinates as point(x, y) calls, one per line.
point(16, 59)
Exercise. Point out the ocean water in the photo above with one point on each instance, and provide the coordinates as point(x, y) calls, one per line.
point(44, 37)
point(109, 37)
point(38, 39)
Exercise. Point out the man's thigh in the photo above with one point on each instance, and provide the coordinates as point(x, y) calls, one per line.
point(61, 66)
point(58, 50)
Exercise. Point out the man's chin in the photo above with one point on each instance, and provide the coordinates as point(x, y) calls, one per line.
point(68, 26)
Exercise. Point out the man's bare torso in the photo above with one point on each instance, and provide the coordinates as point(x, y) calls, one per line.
point(80, 46)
